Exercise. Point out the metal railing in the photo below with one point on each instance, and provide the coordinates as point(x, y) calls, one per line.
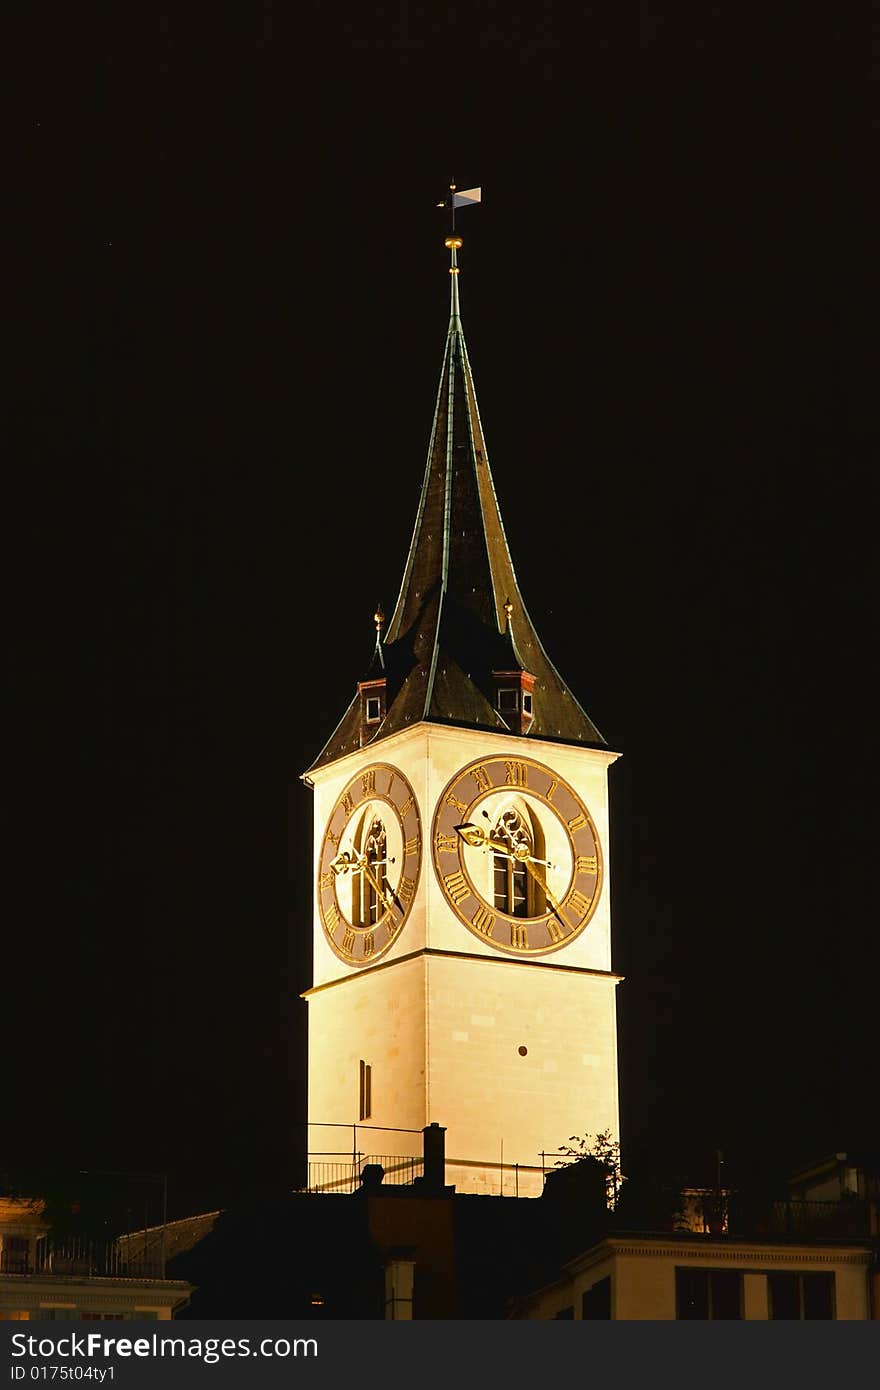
point(82, 1259)
point(337, 1172)
point(828, 1220)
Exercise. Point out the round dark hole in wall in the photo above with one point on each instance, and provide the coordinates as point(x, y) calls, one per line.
point(522, 1051)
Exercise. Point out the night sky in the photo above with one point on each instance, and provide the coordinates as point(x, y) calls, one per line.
point(226, 302)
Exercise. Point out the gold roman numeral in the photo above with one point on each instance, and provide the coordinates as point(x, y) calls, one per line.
point(331, 918)
point(577, 823)
point(411, 847)
point(405, 888)
point(518, 936)
point(334, 839)
point(456, 887)
point(369, 945)
point(577, 903)
point(554, 930)
point(445, 844)
point(347, 804)
point(482, 778)
point(586, 864)
point(517, 774)
point(452, 800)
point(406, 807)
point(326, 880)
point(552, 787)
point(390, 784)
point(368, 782)
point(391, 925)
point(348, 942)
point(483, 920)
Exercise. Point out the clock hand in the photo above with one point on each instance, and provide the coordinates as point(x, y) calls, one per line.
point(472, 835)
point(344, 862)
point(549, 896)
point(349, 861)
point(385, 896)
point(478, 839)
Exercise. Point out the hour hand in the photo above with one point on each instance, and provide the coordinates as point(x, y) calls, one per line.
point(472, 835)
point(345, 862)
point(477, 838)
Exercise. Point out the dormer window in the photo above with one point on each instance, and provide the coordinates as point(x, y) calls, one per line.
point(372, 696)
point(513, 699)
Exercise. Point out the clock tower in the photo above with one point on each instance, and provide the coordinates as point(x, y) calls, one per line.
point(462, 900)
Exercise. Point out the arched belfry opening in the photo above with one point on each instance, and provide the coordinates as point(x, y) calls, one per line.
point(371, 846)
point(516, 892)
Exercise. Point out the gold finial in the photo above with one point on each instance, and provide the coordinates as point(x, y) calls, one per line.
point(508, 608)
point(379, 619)
point(453, 241)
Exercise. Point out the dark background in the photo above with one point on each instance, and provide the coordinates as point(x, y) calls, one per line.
point(226, 300)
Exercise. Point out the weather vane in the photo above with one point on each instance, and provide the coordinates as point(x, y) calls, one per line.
point(459, 198)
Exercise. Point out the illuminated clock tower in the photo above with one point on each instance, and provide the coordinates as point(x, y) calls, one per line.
point(462, 900)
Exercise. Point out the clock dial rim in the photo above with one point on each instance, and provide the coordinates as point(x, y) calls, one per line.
point(584, 842)
point(335, 828)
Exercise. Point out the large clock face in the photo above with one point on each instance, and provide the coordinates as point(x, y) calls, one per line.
point(369, 864)
point(517, 855)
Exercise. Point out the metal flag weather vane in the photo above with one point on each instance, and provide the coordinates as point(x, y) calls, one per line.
point(459, 198)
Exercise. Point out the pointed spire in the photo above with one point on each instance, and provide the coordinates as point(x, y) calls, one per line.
point(379, 620)
point(453, 245)
point(460, 626)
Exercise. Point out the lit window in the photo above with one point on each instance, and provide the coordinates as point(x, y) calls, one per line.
point(511, 887)
point(515, 890)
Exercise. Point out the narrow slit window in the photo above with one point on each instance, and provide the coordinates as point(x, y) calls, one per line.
point(365, 1107)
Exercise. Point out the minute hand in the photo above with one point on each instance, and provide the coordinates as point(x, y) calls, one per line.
point(542, 882)
point(383, 895)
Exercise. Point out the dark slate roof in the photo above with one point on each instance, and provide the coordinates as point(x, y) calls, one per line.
point(449, 629)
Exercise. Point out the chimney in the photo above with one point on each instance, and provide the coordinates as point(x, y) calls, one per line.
point(434, 1150)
